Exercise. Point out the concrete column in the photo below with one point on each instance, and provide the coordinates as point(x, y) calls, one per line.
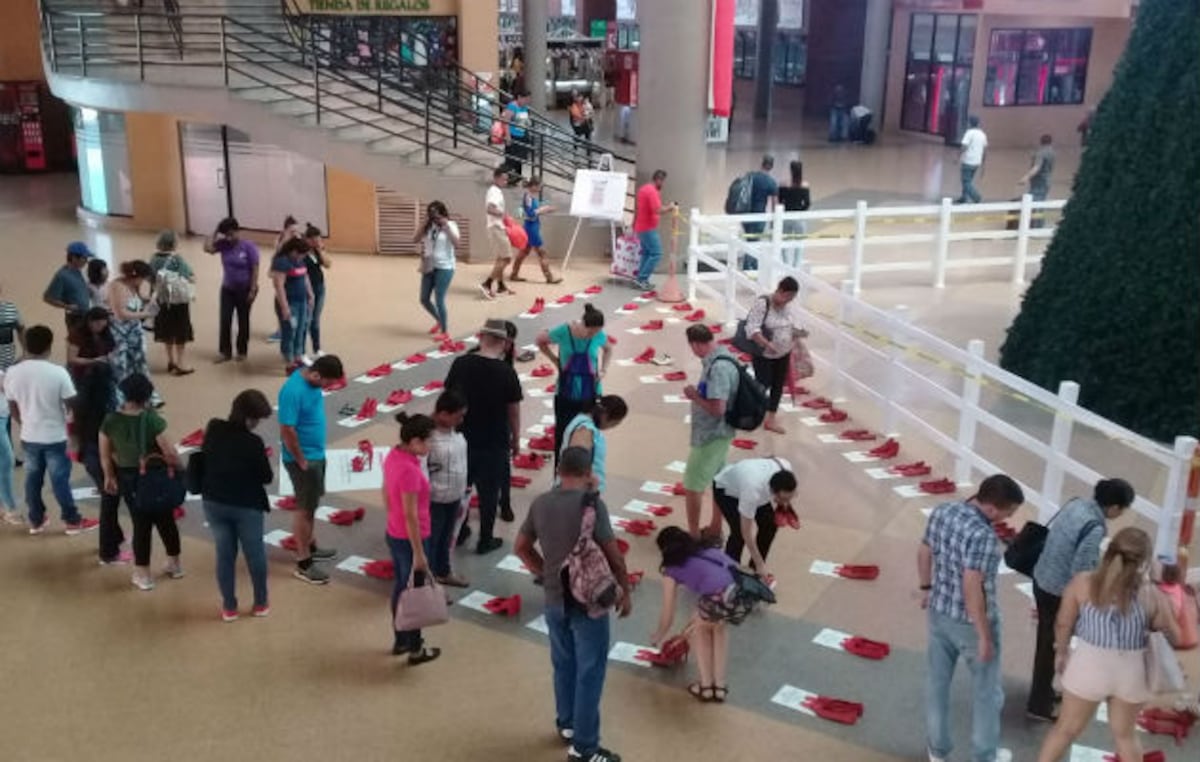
point(534, 15)
point(673, 97)
point(876, 40)
point(764, 74)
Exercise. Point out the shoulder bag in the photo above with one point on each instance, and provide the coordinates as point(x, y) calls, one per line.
point(421, 606)
point(1164, 675)
point(590, 580)
point(741, 339)
point(1026, 548)
point(159, 486)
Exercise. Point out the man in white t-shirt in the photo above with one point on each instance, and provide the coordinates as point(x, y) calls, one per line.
point(974, 146)
point(38, 393)
point(496, 234)
point(748, 493)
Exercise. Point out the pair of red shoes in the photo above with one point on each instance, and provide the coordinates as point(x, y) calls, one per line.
point(695, 317)
point(450, 345)
point(833, 415)
point(660, 510)
point(1167, 722)
point(519, 481)
point(336, 386)
point(652, 325)
point(347, 517)
point(286, 503)
point(638, 527)
point(415, 359)
point(857, 435)
point(835, 710)
point(675, 375)
point(565, 299)
point(649, 294)
point(858, 571)
point(510, 606)
point(433, 386)
point(358, 464)
point(529, 461)
point(379, 371)
point(369, 407)
point(817, 403)
point(918, 468)
point(195, 439)
point(786, 517)
point(289, 543)
point(539, 304)
point(379, 569)
point(673, 651)
point(682, 307)
point(744, 444)
point(678, 489)
point(543, 444)
point(886, 451)
point(593, 290)
point(630, 307)
point(938, 487)
point(867, 649)
point(542, 371)
point(399, 397)
point(646, 356)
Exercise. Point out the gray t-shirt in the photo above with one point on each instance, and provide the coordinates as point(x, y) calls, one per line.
point(718, 380)
point(553, 521)
point(1044, 161)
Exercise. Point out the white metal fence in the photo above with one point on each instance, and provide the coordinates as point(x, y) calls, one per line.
point(987, 419)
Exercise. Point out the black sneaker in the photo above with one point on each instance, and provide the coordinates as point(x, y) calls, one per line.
point(322, 554)
point(506, 513)
point(1041, 716)
point(487, 545)
point(313, 575)
point(599, 755)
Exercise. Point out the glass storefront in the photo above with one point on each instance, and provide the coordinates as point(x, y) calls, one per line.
point(390, 42)
point(937, 77)
point(790, 48)
point(103, 159)
point(1037, 67)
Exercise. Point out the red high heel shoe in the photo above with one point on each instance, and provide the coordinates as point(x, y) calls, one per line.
point(520, 482)
point(195, 439)
point(652, 325)
point(645, 356)
point(630, 307)
point(682, 307)
point(918, 468)
point(539, 304)
point(857, 435)
point(593, 290)
point(638, 527)
point(399, 397)
point(433, 386)
point(833, 415)
point(542, 371)
point(887, 450)
point(542, 444)
point(369, 407)
point(675, 375)
point(835, 710)
point(938, 487)
point(565, 299)
point(695, 317)
point(415, 359)
point(744, 444)
point(529, 461)
point(660, 510)
point(286, 503)
point(379, 371)
point(380, 569)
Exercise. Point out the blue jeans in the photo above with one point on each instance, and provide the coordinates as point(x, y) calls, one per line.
point(436, 283)
point(402, 559)
point(579, 654)
point(7, 499)
point(39, 457)
point(948, 640)
point(652, 251)
point(442, 517)
point(969, 193)
point(232, 525)
point(292, 332)
point(314, 319)
point(839, 124)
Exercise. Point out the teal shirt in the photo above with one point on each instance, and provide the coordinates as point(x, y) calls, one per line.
point(568, 345)
point(302, 407)
point(599, 446)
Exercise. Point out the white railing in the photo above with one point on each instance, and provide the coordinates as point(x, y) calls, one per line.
point(987, 419)
point(837, 251)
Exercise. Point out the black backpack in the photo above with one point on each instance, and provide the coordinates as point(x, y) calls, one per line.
point(740, 194)
point(748, 407)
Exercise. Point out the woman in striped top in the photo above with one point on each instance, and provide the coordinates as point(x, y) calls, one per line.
point(1109, 611)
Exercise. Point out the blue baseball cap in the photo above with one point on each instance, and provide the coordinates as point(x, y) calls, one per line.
point(79, 249)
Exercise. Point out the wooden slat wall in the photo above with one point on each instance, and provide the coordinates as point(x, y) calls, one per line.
point(398, 216)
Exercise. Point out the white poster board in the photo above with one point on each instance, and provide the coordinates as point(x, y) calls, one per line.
point(599, 195)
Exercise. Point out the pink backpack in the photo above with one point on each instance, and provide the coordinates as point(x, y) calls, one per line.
point(589, 577)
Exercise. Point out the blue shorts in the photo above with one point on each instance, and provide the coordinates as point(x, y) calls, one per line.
point(534, 232)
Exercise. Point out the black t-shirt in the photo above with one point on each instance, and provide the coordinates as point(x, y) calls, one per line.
point(316, 274)
point(795, 199)
point(489, 387)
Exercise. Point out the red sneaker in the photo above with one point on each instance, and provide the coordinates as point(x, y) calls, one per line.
point(81, 526)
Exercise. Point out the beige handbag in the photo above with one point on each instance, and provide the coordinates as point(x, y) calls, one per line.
point(1164, 674)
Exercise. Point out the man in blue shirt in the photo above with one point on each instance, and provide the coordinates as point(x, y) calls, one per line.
point(957, 565)
point(764, 194)
point(518, 130)
point(302, 432)
point(68, 289)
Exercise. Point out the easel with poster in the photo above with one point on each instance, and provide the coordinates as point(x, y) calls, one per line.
point(598, 194)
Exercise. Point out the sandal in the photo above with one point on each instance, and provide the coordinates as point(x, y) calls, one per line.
point(183, 371)
point(720, 693)
point(424, 655)
point(702, 693)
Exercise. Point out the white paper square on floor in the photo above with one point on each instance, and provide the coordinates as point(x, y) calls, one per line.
point(421, 391)
point(927, 512)
point(813, 421)
point(276, 537)
point(186, 450)
point(476, 600)
point(652, 379)
point(401, 365)
point(353, 422)
point(365, 379)
point(324, 512)
point(539, 624)
point(909, 490)
point(824, 568)
point(627, 363)
point(513, 564)
point(658, 488)
point(793, 698)
point(881, 473)
point(637, 331)
point(859, 456)
point(831, 638)
point(1087, 753)
point(676, 466)
point(547, 420)
point(537, 393)
point(831, 439)
point(353, 564)
point(675, 399)
point(627, 652)
point(639, 506)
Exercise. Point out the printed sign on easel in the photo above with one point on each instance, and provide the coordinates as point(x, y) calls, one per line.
point(598, 194)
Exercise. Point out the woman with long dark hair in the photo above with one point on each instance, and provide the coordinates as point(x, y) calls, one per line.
point(582, 360)
point(438, 238)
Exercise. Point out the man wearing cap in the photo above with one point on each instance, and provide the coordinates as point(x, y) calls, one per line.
point(68, 289)
point(492, 425)
point(239, 285)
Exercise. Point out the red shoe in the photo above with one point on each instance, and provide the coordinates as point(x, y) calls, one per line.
point(631, 306)
point(289, 543)
point(744, 444)
point(433, 386)
point(474, 501)
point(336, 386)
point(622, 546)
point(675, 375)
point(548, 429)
point(359, 513)
point(550, 389)
point(593, 290)
point(379, 569)
point(542, 371)
point(695, 317)
point(652, 325)
point(510, 606)
point(358, 464)
point(179, 512)
point(673, 651)
point(399, 397)
point(646, 356)
point(800, 391)
point(835, 710)
point(649, 294)
point(833, 415)
point(195, 439)
point(342, 518)
point(867, 649)
point(542, 444)
point(682, 307)
point(539, 304)
point(744, 358)
point(716, 327)
point(786, 517)
point(938, 487)
point(450, 345)
point(919, 468)
point(565, 299)
point(634, 577)
point(518, 481)
point(1167, 722)
point(529, 461)
point(858, 571)
point(612, 340)
point(725, 342)
point(638, 527)
point(820, 403)
point(379, 371)
point(369, 407)
point(857, 435)
point(660, 510)
point(677, 489)
point(415, 359)
point(286, 503)
point(436, 329)
point(887, 450)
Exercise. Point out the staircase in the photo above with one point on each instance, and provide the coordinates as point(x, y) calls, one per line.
point(254, 66)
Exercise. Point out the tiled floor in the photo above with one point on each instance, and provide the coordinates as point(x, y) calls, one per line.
point(91, 664)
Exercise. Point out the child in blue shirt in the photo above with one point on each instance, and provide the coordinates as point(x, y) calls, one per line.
point(532, 210)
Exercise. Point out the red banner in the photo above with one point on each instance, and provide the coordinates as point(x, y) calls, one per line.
point(720, 59)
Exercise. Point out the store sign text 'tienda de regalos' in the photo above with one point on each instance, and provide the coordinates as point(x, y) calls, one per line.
point(369, 6)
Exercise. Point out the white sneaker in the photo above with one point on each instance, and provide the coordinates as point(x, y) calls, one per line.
point(14, 518)
point(934, 758)
point(39, 528)
point(144, 584)
point(173, 570)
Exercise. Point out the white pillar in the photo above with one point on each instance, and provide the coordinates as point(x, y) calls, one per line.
point(876, 39)
point(534, 17)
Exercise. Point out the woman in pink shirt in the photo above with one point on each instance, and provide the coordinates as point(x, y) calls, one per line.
point(406, 497)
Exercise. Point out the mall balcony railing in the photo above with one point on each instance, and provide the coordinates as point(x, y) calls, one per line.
point(428, 108)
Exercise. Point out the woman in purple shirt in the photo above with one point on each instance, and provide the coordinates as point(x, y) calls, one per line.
point(704, 572)
point(239, 285)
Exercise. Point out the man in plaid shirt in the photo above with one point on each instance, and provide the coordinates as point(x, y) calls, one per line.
point(956, 565)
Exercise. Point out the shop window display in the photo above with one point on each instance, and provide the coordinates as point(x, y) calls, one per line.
point(1037, 67)
point(937, 81)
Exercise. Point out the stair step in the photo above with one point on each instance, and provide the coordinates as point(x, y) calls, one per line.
point(395, 146)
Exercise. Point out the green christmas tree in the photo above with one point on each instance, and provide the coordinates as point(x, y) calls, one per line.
point(1116, 306)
